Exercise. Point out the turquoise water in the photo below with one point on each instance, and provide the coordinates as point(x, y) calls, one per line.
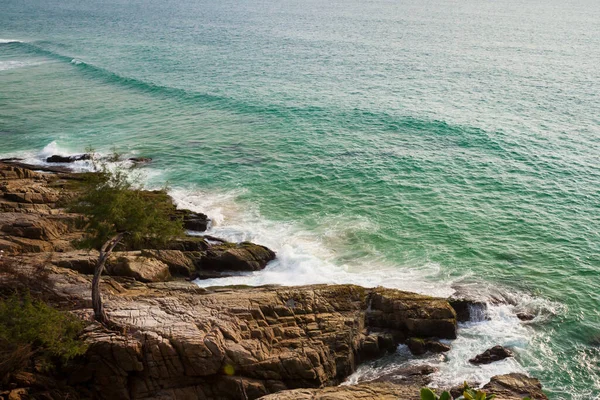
point(432, 146)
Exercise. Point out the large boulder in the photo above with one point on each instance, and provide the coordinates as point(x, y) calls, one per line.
point(181, 263)
point(515, 386)
point(135, 265)
point(418, 346)
point(489, 356)
point(243, 256)
point(193, 221)
point(412, 315)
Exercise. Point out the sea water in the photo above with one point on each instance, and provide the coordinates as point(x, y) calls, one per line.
point(437, 146)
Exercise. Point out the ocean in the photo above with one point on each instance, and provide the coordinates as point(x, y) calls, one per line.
point(438, 146)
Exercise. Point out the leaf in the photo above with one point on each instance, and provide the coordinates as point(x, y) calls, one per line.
point(428, 394)
point(445, 396)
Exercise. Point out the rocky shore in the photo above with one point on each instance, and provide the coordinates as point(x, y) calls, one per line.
point(174, 340)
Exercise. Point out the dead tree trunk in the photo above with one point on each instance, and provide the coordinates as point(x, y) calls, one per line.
point(105, 252)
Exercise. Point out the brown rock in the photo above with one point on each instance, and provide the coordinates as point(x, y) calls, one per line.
point(496, 353)
point(515, 386)
point(183, 340)
point(468, 310)
point(419, 346)
point(244, 256)
point(366, 391)
point(180, 263)
point(134, 265)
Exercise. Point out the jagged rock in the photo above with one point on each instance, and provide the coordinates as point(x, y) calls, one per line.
point(183, 340)
point(419, 346)
point(365, 391)
point(80, 261)
point(193, 221)
point(244, 256)
point(376, 344)
point(496, 353)
point(505, 387)
point(468, 310)
point(404, 314)
point(515, 386)
point(68, 159)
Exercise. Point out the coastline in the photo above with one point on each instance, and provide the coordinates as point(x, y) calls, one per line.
point(369, 339)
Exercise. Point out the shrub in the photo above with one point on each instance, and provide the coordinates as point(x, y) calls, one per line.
point(31, 327)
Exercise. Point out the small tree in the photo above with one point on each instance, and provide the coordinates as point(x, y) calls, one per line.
point(119, 211)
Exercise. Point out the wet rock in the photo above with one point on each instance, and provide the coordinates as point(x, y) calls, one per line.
point(419, 346)
point(400, 314)
point(418, 375)
point(496, 353)
point(524, 316)
point(68, 159)
point(243, 256)
point(140, 160)
point(468, 310)
point(376, 344)
point(515, 386)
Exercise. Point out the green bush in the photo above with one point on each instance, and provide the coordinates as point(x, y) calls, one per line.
point(468, 394)
point(25, 322)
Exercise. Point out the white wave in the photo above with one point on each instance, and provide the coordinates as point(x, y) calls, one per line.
point(303, 256)
point(14, 64)
point(3, 41)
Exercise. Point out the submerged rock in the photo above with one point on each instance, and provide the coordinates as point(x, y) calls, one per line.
point(496, 353)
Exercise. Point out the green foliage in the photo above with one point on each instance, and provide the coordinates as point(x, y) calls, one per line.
point(468, 394)
point(472, 394)
point(428, 394)
point(28, 322)
point(114, 201)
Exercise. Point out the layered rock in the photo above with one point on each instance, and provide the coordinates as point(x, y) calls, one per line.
point(234, 342)
point(505, 387)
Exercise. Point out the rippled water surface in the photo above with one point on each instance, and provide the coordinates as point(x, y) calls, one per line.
point(436, 146)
